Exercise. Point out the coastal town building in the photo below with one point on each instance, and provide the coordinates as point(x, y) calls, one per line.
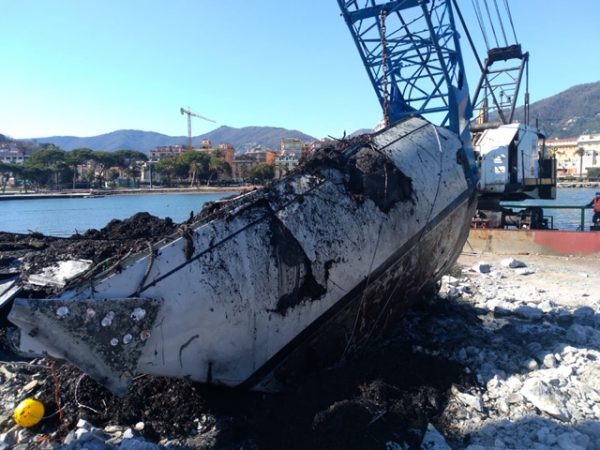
point(289, 155)
point(575, 155)
point(225, 151)
point(285, 164)
point(10, 153)
point(291, 147)
point(244, 163)
point(590, 146)
point(166, 151)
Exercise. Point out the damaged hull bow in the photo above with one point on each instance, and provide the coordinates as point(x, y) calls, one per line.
point(291, 275)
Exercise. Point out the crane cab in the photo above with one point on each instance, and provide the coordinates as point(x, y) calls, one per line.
point(513, 164)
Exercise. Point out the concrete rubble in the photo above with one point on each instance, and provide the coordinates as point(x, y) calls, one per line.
point(536, 354)
point(60, 273)
point(530, 344)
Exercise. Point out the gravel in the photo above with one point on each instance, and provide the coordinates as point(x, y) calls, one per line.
point(498, 359)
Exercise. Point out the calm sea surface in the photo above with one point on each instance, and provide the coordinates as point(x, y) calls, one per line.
point(568, 219)
point(65, 216)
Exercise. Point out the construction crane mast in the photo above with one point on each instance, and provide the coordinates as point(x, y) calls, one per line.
point(189, 114)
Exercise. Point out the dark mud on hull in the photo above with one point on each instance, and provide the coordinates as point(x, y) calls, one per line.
point(372, 309)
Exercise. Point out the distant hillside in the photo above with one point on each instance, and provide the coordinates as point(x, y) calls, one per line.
point(116, 140)
point(360, 131)
point(570, 113)
point(573, 112)
point(27, 145)
point(242, 139)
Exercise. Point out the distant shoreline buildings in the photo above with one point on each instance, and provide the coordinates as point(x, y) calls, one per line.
point(575, 155)
point(11, 153)
point(283, 160)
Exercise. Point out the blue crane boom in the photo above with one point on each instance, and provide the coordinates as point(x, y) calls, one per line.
point(411, 51)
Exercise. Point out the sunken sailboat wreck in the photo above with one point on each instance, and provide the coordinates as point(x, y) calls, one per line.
point(298, 274)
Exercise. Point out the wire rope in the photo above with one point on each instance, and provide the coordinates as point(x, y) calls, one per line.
point(479, 16)
point(501, 22)
point(510, 19)
point(487, 8)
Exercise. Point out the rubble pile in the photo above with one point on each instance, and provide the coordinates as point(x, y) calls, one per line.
point(535, 353)
point(506, 356)
point(25, 254)
point(379, 399)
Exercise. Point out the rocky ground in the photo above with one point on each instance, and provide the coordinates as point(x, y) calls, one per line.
point(506, 356)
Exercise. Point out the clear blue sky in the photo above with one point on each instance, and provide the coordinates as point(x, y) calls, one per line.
point(83, 67)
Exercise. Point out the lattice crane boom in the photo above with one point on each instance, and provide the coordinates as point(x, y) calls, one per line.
point(411, 51)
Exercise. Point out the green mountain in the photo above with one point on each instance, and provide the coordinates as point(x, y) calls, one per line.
point(570, 113)
point(242, 139)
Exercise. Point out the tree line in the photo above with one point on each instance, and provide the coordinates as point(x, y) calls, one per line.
point(192, 167)
point(53, 168)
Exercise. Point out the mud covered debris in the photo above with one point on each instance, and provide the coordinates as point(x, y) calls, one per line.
point(29, 253)
point(452, 364)
point(370, 174)
point(388, 394)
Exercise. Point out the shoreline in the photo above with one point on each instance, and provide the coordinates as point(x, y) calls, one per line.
point(578, 184)
point(127, 191)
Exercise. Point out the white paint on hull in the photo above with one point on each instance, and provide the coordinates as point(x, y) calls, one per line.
point(227, 289)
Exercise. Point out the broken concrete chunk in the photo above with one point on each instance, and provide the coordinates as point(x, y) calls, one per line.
point(512, 263)
point(60, 273)
point(524, 271)
point(471, 401)
point(549, 361)
point(529, 313)
point(450, 280)
point(482, 267)
point(546, 398)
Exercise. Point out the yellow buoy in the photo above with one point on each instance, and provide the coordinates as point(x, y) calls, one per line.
point(29, 412)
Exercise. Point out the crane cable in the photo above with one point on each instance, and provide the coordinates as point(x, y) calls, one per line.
point(384, 63)
point(487, 8)
point(479, 16)
point(481, 20)
point(501, 22)
point(510, 19)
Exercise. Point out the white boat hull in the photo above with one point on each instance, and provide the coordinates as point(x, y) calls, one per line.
point(282, 279)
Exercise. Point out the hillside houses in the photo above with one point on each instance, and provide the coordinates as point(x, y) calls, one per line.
point(11, 153)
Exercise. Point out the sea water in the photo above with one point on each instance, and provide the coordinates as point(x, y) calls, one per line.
point(66, 216)
point(566, 219)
